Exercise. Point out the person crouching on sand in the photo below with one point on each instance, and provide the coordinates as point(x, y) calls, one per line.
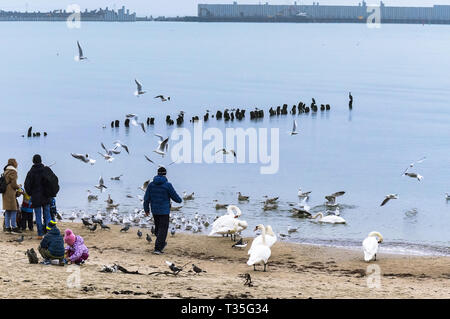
point(52, 245)
point(76, 251)
point(159, 193)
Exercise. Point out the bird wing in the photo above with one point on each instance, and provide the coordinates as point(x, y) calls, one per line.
point(148, 159)
point(104, 147)
point(385, 201)
point(337, 194)
point(159, 97)
point(139, 85)
point(80, 51)
point(143, 127)
point(163, 144)
point(295, 126)
point(101, 181)
point(125, 148)
point(160, 137)
point(79, 156)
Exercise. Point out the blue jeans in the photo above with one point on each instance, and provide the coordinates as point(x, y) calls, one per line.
point(38, 213)
point(10, 219)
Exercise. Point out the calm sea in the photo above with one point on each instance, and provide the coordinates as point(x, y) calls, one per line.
point(398, 75)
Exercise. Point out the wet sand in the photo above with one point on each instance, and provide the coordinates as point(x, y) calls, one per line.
point(294, 270)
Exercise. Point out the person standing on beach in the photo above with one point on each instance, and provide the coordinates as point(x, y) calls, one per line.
point(9, 197)
point(158, 194)
point(42, 185)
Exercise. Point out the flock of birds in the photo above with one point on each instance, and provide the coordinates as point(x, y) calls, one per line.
point(229, 224)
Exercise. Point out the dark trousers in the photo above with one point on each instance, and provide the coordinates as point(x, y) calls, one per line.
point(26, 218)
point(161, 228)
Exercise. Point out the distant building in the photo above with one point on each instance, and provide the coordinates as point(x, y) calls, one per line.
point(436, 13)
point(61, 15)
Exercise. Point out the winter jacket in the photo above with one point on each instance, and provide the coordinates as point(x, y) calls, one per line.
point(158, 194)
point(34, 186)
point(77, 250)
point(9, 196)
point(54, 242)
point(26, 204)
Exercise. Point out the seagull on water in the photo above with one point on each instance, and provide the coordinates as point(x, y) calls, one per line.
point(388, 198)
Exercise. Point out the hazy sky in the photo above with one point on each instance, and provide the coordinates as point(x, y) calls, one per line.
point(179, 7)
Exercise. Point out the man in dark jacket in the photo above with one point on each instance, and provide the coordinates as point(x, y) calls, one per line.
point(158, 194)
point(34, 186)
point(52, 245)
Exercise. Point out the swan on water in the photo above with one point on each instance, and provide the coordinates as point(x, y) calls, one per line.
point(370, 245)
point(331, 219)
point(259, 253)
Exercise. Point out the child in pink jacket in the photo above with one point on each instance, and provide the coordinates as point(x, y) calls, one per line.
point(76, 251)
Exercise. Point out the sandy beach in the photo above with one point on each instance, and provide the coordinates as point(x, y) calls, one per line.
point(294, 270)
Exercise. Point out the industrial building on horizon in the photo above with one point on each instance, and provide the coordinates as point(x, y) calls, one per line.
point(323, 13)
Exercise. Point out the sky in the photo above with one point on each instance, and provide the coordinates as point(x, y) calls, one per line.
point(179, 7)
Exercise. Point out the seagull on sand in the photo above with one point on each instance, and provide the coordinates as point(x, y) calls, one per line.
point(388, 198)
point(139, 88)
point(101, 184)
point(162, 145)
point(163, 99)
point(80, 55)
point(83, 158)
point(294, 128)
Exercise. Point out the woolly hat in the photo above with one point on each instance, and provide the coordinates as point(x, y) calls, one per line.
point(162, 171)
point(51, 224)
point(37, 159)
point(12, 162)
point(69, 237)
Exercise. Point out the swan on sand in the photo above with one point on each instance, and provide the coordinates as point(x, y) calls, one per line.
point(370, 245)
point(259, 252)
point(229, 224)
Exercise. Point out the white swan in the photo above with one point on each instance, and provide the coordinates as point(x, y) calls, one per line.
point(331, 219)
point(370, 245)
point(270, 238)
point(260, 252)
point(229, 224)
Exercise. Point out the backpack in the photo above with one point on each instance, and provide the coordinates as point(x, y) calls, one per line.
point(3, 184)
point(50, 181)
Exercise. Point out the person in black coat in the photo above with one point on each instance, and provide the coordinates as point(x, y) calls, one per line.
point(34, 186)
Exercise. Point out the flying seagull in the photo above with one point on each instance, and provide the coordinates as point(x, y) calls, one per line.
point(120, 144)
point(294, 128)
point(80, 56)
point(139, 88)
point(163, 145)
point(225, 152)
point(110, 151)
point(163, 99)
point(414, 175)
point(101, 184)
point(107, 157)
point(134, 122)
point(83, 158)
point(414, 163)
point(389, 197)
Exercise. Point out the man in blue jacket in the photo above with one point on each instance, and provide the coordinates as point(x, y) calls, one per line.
point(158, 194)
